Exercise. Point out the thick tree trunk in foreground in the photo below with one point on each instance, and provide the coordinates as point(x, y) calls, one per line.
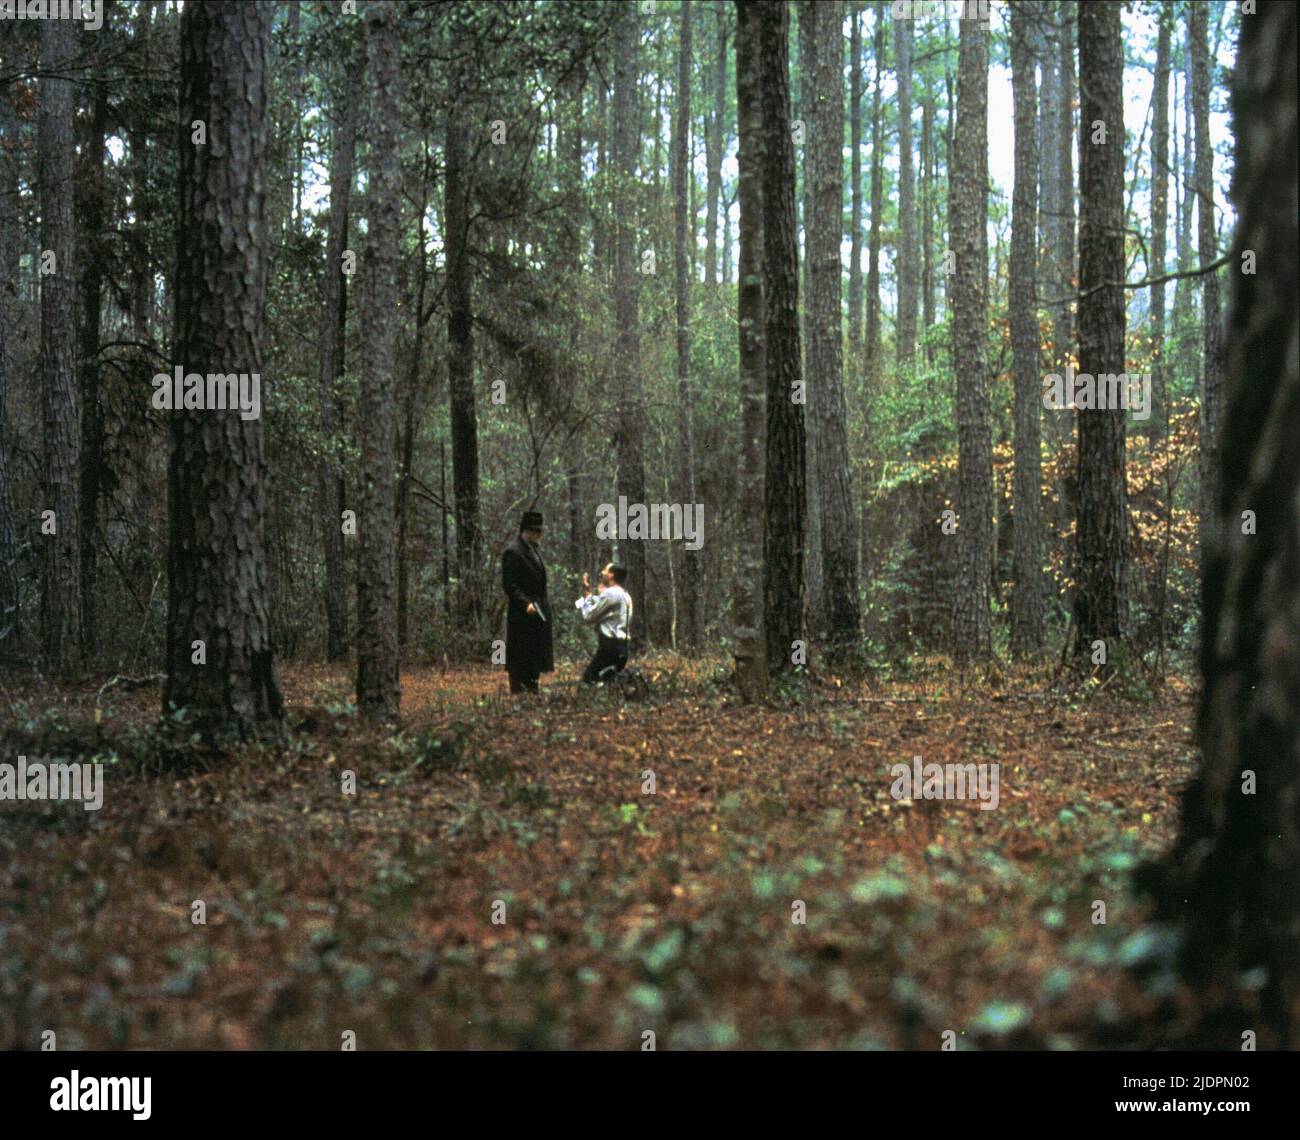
point(747, 588)
point(1233, 880)
point(1100, 598)
point(378, 692)
point(217, 567)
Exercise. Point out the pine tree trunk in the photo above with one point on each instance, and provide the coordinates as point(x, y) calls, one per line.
point(1184, 288)
point(713, 148)
point(1208, 251)
point(219, 592)
point(413, 399)
point(747, 586)
point(877, 207)
point(8, 302)
point(689, 588)
point(627, 338)
point(855, 180)
point(460, 365)
point(1159, 220)
point(601, 251)
point(1100, 600)
point(378, 691)
point(1054, 280)
point(1028, 596)
point(927, 225)
point(329, 481)
point(61, 625)
point(1063, 317)
point(90, 218)
point(905, 346)
point(968, 204)
point(808, 14)
point(839, 612)
point(785, 493)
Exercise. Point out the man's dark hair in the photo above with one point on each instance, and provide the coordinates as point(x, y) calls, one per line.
point(618, 572)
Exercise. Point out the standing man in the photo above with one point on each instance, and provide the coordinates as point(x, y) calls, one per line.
point(528, 613)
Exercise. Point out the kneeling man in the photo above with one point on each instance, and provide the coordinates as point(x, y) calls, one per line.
point(610, 611)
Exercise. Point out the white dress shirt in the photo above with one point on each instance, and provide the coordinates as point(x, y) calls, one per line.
point(612, 609)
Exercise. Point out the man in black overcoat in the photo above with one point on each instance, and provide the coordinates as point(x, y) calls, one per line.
point(528, 612)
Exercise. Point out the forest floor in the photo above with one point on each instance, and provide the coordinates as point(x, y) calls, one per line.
point(623, 911)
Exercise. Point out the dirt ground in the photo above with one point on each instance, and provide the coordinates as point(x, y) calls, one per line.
point(502, 877)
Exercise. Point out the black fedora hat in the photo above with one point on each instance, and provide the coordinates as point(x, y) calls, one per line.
point(532, 520)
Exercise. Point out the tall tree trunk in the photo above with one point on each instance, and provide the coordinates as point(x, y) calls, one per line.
point(948, 126)
point(329, 480)
point(378, 691)
point(8, 298)
point(785, 493)
point(140, 173)
point(218, 591)
point(600, 241)
point(572, 149)
point(689, 594)
point(1184, 288)
point(1159, 219)
point(855, 179)
point(713, 147)
point(927, 224)
point(460, 365)
point(877, 205)
point(627, 339)
point(1028, 597)
point(414, 399)
point(1207, 250)
point(1100, 599)
point(1233, 879)
point(747, 587)
point(61, 624)
point(808, 12)
point(839, 614)
point(1051, 274)
point(1063, 317)
point(294, 219)
point(90, 210)
point(905, 345)
point(968, 204)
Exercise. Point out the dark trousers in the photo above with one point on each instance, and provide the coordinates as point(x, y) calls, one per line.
point(523, 682)
point(609, 651)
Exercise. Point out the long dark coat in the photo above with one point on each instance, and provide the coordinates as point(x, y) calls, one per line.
point(528, 637)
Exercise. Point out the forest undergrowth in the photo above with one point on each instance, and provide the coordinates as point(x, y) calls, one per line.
point(618, 910)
